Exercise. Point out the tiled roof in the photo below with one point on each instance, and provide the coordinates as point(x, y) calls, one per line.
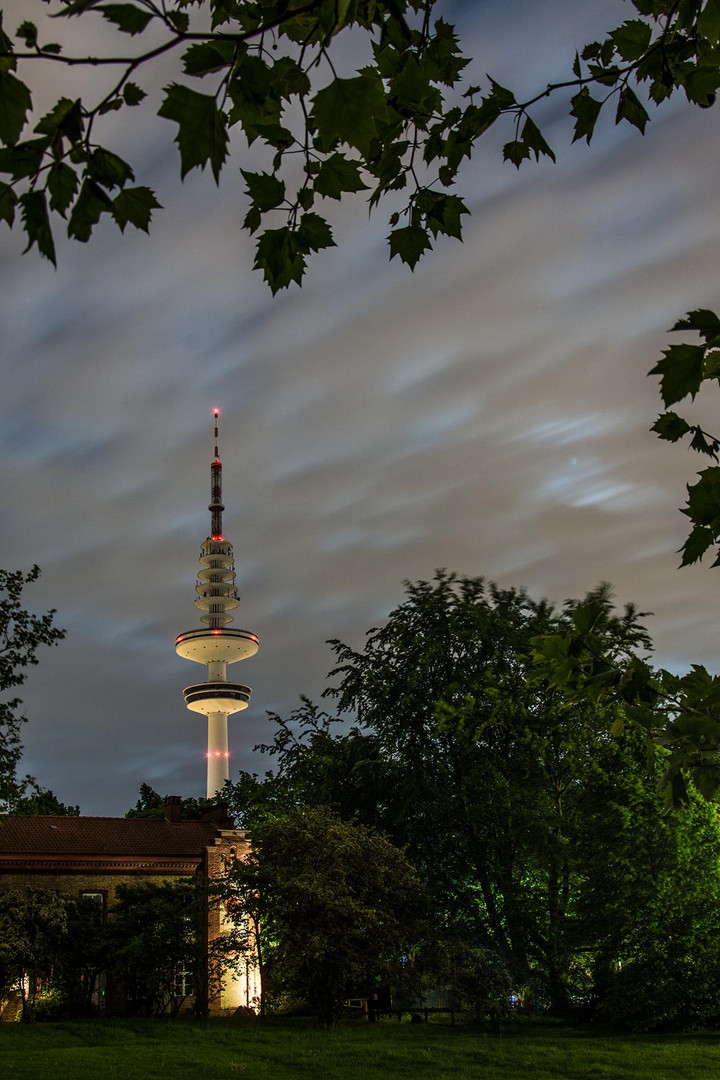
point(51, 835)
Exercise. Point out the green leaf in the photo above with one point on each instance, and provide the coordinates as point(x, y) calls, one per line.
point(255, 76)
point(24, 159)
point(443, 53)
point(697, 543)
point(253, 220)
point(110, 105)
point(516, 151)
point(179, 20)
point(333, 16)
point(591, 51)
point(62, 185)
point(338, 174)
point(65, 118)
point(135, 205)
point(89, 205)
point(703, 506)
point(552, 646)
point(280, 258)
point(133, 94)
point(8, 61)
point(8, 202)
point(225, 10)
point(108, 169)
point(586, 110)
point(501, 96)
point(700, 444)
point(711, 367)
point(630, 108)
point(254, 96)
point(76, 7)
point(273, 134)
point(314, 233)
point(585, 616)
point(207, 56)
point(390, 169)
point(442, 213)
point(289, 78)
point(265, 190)
point(28, 31)
point(409, 243)
point(671, 427)
point(477, 119)
point(410, 89)
point(36, 223)
point(632, 39)
point(532, 137)
point(681, 371)
point(128, 18)
point(78, 155)
point(349, 110)
point(306, 27)
point(15, 104)
point(703, 320)
point(701, 84)
point(202, 133)
point(708, 23)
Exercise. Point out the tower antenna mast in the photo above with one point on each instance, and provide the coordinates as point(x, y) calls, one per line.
point(216, 645)
point(216, 504)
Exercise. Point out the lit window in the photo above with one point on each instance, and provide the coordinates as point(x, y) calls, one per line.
point(96, 897)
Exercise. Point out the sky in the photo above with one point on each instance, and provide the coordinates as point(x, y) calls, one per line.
point(488, 413)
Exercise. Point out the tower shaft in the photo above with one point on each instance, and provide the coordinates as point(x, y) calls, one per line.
point(218, 755)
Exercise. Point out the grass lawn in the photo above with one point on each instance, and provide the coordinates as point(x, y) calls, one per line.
point(228, 1050)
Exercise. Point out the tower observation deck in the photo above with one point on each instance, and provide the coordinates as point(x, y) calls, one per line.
point(216, 644)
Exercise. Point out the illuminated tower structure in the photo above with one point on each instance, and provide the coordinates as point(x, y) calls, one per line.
point(216, 645)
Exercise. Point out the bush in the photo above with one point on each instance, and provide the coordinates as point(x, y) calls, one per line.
point(653, 994)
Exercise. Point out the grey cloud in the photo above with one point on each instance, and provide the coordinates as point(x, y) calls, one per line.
point(488, 413)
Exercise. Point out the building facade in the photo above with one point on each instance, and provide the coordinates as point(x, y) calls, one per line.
point(92, 856)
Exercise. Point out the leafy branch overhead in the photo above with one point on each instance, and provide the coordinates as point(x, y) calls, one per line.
point(683, 370)
point(401, 122)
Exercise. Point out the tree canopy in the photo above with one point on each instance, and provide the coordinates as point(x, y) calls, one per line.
point(151, 804)
point(33, 923)
point(335, 905)
point(276, 73)
point(157, 944)
point(512, 800)
point(21, 635)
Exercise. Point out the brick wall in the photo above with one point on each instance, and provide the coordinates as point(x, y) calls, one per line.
point(73, 884)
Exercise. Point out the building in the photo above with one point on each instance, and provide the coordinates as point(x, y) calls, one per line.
point(92, 856)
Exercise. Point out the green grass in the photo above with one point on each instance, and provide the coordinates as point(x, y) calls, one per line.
point(227, 1050)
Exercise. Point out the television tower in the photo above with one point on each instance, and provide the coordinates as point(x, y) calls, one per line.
point(216, 645)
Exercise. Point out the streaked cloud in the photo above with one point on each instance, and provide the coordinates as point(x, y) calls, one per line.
point(488, 413)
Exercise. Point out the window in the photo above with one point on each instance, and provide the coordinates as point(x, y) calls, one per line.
point(97, 898)
point(183, 979)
